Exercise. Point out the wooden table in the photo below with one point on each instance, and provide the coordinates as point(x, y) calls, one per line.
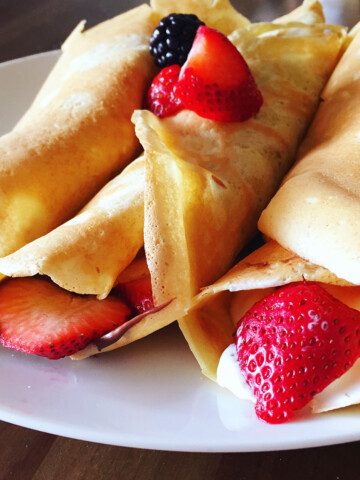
point(40, 25)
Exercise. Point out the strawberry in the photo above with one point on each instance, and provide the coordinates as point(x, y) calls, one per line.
point(137, 294)
point(161, 99)
point(37, 316)
point(294, 343)
point(215, 81)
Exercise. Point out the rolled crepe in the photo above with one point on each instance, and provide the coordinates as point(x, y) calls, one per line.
point(207, 182)
point(77, 134)
point(97, 248)
point(311, 223)
point(86, 104)
point(87, 253)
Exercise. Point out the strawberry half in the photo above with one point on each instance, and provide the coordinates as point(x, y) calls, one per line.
point(37, 316)
point(161, 98)
point(215, 81)
point(294, 343)
point(137, 294)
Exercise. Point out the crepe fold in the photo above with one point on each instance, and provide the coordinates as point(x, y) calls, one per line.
point(86, 254)
point(206, 183)
point(77, 134)
point(311, 225)
point(316, 212)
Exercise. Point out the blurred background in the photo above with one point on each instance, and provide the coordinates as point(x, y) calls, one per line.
point(28, 27)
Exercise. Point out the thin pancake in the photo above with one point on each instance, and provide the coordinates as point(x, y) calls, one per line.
point(316, 211)
point(77, 134)
point(86, 254)
point(206, 182)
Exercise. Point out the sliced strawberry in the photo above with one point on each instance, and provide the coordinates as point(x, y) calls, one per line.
point(161, 98)
point(137, 294)
point(215, 81)
point(37, 316)
point(294, 343)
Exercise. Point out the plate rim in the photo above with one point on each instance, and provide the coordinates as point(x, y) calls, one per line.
point(16, 418)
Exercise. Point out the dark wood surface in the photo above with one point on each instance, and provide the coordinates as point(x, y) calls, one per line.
point(28, 27)
point(29, 455)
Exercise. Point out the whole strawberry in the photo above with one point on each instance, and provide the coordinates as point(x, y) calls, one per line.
point(294, 343)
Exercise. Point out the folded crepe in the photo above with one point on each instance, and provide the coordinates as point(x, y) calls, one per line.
point(311, 224)
point(90, 253)
point(207, 182)
point(77, 134)
point(194, 198)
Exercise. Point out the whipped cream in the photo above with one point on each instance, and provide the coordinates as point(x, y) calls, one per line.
point(229, 375)
point(343, 392)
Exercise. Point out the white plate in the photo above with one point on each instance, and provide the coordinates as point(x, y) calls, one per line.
point(148, 395)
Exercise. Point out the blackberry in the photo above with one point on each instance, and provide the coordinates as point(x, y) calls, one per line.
point(171, 41)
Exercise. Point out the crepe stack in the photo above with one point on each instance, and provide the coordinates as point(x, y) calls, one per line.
point(194, 197)
point(77, 133)
point(312, 223)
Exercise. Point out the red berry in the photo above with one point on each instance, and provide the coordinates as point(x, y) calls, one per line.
point(37, 316)
point(294, 343)
point(215, 82)
point(161, 98)
point(137, 294)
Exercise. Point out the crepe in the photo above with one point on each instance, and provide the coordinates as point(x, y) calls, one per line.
point(100, 246)
point(207, 183)
point(77, 134)
point(313, 215)
point(321, 195)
